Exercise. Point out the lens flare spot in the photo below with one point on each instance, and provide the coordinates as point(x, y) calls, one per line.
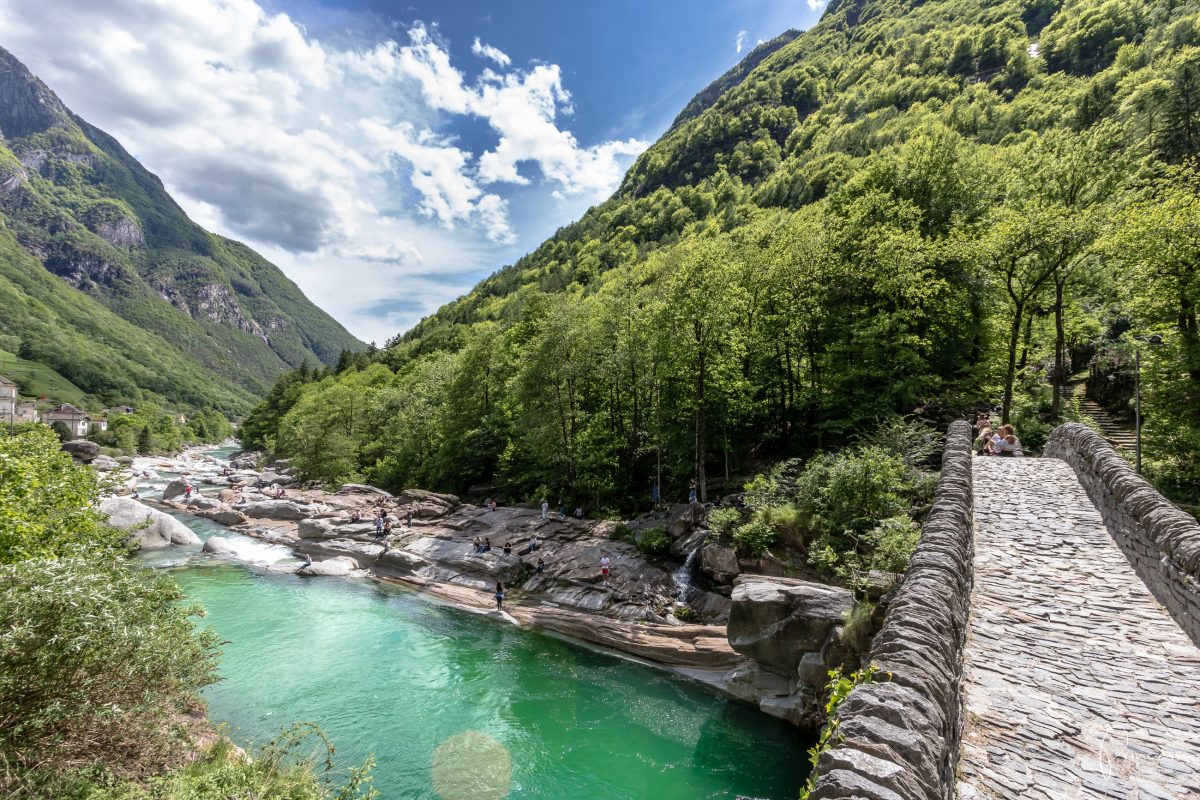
point(471, 766)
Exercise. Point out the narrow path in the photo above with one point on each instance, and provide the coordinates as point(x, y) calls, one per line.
point(1076, 684)
point(1120, 435)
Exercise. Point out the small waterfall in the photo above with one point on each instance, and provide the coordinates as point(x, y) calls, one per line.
point(252, 551)
point(682, 575)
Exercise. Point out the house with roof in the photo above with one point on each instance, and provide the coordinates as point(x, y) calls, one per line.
point(12, 408)
point(76, 420)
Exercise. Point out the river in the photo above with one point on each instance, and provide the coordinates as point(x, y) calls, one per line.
point(390, 673)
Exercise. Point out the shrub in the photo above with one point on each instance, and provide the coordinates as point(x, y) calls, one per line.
point(686, 614)
point(97, 661)
point(654, 542)
point(755, 536)
point(890, 545)
point(621, 533)
point(916, 443)
point(721, 521)
point(46, 501)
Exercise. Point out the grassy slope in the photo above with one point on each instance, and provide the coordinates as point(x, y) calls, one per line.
point(38, 380)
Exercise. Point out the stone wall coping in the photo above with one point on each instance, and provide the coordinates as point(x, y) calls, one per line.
point(900, 736)
point(1161, 540)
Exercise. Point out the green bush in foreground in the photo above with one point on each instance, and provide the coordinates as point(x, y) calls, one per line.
point(99, 662)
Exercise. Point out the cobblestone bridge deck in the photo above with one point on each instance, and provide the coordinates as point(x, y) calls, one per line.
point(1077, 683)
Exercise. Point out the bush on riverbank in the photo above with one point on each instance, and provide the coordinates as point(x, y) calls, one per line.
point(100, 664)
point(847, 512)
point(47, 502)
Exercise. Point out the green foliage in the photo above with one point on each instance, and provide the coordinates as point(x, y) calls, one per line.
point(687, 614)
point(279, 769)
point(46, 501)
point(105, 282)
point(655, 542)
point(722, 521)
point(755, 536)
point(98, 659)
point(904, 210)
point(836, 691)
point(37, 380)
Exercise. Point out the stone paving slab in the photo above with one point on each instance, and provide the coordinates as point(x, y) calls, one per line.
point(1077, 683)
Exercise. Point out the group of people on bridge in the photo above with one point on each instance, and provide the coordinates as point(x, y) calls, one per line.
point(995, 440)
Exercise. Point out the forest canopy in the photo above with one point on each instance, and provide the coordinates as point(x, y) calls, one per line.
point(927, 207)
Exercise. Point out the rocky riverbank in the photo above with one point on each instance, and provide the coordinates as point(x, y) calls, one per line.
point(766, 640)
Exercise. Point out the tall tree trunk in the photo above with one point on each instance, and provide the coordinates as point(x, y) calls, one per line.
point(1060, 347)
point(1024, 361)
point(1010, 375)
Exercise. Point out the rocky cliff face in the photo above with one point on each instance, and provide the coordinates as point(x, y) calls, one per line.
point(27, 105)
point(76, 202)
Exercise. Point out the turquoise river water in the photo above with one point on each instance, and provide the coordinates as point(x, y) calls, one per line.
point(503, 712)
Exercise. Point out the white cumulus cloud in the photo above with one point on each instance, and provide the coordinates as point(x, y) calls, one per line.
point(818, 5)
point(487, 51)
point(740, 42)
point(331, 158)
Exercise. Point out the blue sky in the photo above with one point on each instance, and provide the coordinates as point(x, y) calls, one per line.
point(386, 155)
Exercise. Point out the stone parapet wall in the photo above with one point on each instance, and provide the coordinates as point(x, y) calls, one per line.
point(900, 737)
point(1162, 542)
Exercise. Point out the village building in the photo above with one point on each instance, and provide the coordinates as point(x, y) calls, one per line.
point(12, 409)
point(76, 420)
point(8, 397)
point(97, 424)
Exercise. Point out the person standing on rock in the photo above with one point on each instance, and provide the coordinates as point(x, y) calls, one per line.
point(692, 491)
point(408, 518)
point(545, 510)
point(187, 492)
point(499, 596)
point(378, 525)
point(605, 563)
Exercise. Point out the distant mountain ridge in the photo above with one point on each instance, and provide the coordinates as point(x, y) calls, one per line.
point(105, 279)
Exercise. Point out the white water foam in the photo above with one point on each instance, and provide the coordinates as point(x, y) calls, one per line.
point(252, 551)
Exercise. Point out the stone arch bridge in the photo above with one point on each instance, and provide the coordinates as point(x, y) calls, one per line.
point(1043, 644)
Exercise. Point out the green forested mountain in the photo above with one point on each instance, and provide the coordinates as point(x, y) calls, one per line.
point(917, 204)
point(104, 278)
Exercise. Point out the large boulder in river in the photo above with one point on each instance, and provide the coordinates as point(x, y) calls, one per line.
point(278, 509)
point(719, 563)
point(154, 529)
point(199, 502)
point(362, 488)
point(218, 546)
point(776, 621)
point(428, 504)
point(338, 566)
point(176, 488)
point(82, 449)
point(104, 464)
point(315, 529)
point(224, 516)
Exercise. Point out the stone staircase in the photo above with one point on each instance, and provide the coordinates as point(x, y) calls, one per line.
point(1120, 435)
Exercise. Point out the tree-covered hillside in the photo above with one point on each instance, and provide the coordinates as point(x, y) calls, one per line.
point(931, 204)
point(104, 279)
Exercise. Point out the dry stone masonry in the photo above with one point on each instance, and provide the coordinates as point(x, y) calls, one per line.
point(1162, 542)
point(900, 736)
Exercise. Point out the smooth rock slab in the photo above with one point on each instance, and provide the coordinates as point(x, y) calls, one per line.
point(154, 529)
